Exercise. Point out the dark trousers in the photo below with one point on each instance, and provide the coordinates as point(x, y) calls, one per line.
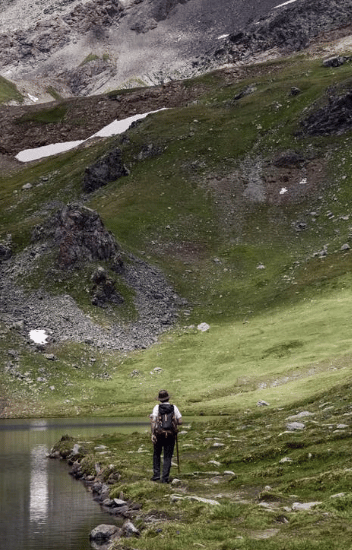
point(167, 443)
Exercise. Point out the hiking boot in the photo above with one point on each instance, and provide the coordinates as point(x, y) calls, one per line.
point(155, 478)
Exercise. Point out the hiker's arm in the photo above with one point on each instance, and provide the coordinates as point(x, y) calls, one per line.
point(152, 427)
point(179, 420)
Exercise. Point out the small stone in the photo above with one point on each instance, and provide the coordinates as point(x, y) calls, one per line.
point(302, 414)
point(119, 502)
point(295, 91)
point(293, 426)
point(301, 506)
point(345, 247)
point(204, 500)
point(129, 530)
point(262, 403)
point(203, 327)
point(175, 482)
point(50, 356)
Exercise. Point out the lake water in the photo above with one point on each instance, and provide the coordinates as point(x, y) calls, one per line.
point(42, 507)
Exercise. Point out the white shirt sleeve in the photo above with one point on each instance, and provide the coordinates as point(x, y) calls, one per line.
point(178, 415)
point(155, 412)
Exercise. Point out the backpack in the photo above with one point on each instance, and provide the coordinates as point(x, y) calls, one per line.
point(166, 423)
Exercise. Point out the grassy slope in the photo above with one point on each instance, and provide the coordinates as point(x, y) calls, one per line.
point(8, 91)
point(277, 333)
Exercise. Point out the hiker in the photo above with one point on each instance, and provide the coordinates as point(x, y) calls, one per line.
point(164, 421)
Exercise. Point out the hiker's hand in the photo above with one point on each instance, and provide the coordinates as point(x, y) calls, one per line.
point(153, 439)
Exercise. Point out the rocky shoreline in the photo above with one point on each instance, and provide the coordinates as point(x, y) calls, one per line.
point(99, 485)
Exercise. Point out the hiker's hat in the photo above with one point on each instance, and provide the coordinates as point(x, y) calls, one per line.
point(163, 396)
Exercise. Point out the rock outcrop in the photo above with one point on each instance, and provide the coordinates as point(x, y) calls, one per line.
point(104, 289)
point(333, 118)
point(108, 168)
point(80, 236)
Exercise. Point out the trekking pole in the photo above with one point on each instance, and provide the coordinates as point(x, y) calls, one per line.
point(178, 455)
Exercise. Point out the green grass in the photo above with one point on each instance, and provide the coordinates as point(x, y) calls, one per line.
point(90, 57)
point(54, 93)
point(9, 92)
point(45, 116)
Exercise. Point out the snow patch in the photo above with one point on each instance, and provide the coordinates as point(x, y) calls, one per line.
point(120, 126)
point(284, 4)
point(283, 190)
point(46, 151)
point(38, 336)
point(223, 36)
point(112, 129)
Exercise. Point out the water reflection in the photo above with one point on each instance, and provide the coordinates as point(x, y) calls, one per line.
point(42, 507)
point(39, 494)
point(38, 425)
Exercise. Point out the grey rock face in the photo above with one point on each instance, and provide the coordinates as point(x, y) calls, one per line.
point(291, 27)
point(147, 19)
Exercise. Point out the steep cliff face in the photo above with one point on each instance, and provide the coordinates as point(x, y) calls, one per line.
point(90, 46)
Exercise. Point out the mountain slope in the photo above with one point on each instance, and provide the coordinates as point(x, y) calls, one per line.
point(233, 196)
point(81, 48)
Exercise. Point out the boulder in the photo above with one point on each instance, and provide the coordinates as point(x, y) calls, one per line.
point(5, 251)
point(104, 289)
point(335, 61)
point(108, 168)
point(104, 533)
